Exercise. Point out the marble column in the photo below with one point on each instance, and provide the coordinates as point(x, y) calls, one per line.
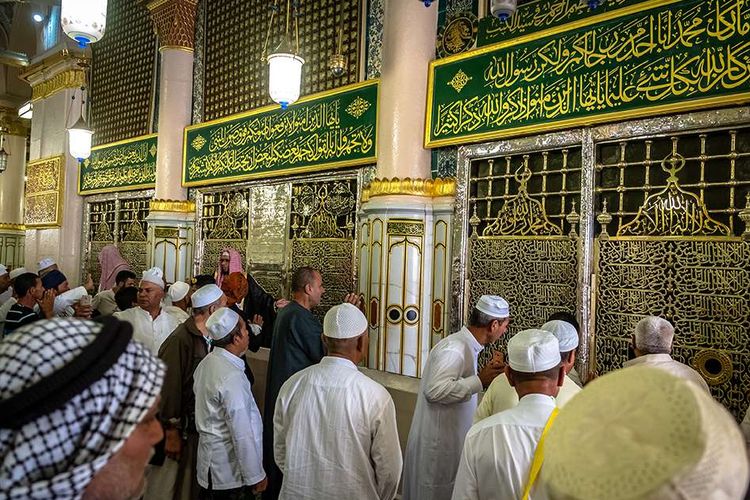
point(55, 77)
point(172, 217)
point(406, 216)
point(12, 230)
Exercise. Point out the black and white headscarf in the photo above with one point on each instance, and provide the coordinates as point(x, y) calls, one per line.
point(71, 392)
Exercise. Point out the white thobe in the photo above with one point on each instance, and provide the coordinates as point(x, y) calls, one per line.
point(501, 396)
point(104, 302)
point(335, 435)
point(499, 450)
point(444, 413)
point(152, 332)
point(230, 443)
point(666, 363)
point(6, 295)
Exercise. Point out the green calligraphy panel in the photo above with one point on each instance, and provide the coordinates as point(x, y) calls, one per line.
point(327, 130)
point(119, 166)
point(538, 15)
point(668, 56)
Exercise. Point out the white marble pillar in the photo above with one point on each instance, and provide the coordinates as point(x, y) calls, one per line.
point(172, 217)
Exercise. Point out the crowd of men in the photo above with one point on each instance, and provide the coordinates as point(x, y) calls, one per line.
point(145, 391)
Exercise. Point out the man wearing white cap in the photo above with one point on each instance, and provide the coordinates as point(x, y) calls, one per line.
point(447, 401)
point(181, 352)
point(502, 453)
point(335, 432)
point(46, 265)
point(501, 396)
point(5, 307)
point(152, 324)
point(178, 295)
point(652, 344)
point(230, 450)
point(643, 433)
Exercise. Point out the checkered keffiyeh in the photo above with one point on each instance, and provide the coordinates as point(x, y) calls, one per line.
point(56, 451)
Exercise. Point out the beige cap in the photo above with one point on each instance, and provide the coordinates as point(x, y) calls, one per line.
point(642, 433)
point(344, 321)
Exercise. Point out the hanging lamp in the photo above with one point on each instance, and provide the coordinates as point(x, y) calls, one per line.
point(285, 63)
point(84, 21)
point(3, 153)
point(80, 135)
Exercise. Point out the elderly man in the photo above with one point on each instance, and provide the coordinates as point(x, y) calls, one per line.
point(152, 324)
point(332, 410)
point(230, 453)
point(447, 401)
point(29, 293)
point(78, 403)
point(178, 295)
point(104, 301)
point(499, 451)
point(501, 396)
point(181, 352)
point(652, 344)
point(643, 433)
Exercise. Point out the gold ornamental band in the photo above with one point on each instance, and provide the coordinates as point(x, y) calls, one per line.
point(180, 206)
point(408, 186)
point(7, 226)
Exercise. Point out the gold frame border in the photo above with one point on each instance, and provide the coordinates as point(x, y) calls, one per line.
point(60, 191)
point(9, 226)
point(606, 117)
point(289, 171)
point(120, 188)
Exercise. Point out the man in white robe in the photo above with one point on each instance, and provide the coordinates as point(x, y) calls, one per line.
point(230, 449)
point(496, 463)
point(501, 396)
point(152, 324)
point(652, 344)
point(643, 433)
point(335, 432)
point(447, 400)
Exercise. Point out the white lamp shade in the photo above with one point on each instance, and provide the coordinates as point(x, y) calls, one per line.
point(284, 77)
point(84, 21)
point(79, 140)
point(3, 160)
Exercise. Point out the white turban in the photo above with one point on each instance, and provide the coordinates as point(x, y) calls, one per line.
point(71, 393)
point(644, 434)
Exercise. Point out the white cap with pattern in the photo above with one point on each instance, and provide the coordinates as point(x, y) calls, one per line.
point(221, 323)
point(344, 321)
point(493, 306)
point(46, 262)
point(564, 332)
point(155, 276)
point(206, 295)
point(642, 433)
point(533, 351)
point(178, 290)
point(15, 273)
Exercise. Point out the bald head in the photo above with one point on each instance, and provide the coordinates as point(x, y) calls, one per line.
point(653, 335)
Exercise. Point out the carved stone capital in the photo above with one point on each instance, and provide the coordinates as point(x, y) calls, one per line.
point(55, 71)
point(174, 23)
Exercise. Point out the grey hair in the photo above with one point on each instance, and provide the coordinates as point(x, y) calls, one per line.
point(654, 335)
point(479, 319)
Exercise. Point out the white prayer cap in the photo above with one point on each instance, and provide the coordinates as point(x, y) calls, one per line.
point(654, 335)
point(178, 290)
point(493, 306)
point(533, 351)
point(344, 321)
point(642, 433)
point(15, 273)
point(206, 295)
point(221, 323)
point(3, 270)
point(46, 262)
point(155, 276)
point(564, 332)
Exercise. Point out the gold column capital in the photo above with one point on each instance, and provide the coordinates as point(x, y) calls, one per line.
point(414, 187)
point(180, 206)
point(61, 69)
point(174, 23)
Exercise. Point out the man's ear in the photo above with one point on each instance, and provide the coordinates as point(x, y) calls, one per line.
point(561, 376)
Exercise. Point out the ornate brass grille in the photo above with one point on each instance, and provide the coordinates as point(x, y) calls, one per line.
point(235, 31)
point(279, 225)
point(671, 205)
point(122, 74)
point(116, 221)
point(522, 233)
